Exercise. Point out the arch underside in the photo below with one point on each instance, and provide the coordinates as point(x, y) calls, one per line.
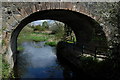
point(81, 24)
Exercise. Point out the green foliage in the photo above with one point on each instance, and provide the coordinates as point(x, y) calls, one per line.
point(5, 69)
point(39, 28)
point(20, 48)
point(57, 29)
point(26, 31)
point(3, 42)
point(59, 35)
point(38, 38)
point(33, 37)
point(51, 43)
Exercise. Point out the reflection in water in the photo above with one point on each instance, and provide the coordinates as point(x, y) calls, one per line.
point(38, 61)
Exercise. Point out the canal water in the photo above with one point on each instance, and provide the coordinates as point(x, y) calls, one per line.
point(38, 60)
point(41, 62)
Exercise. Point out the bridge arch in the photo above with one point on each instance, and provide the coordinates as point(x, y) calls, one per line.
point(82, 25)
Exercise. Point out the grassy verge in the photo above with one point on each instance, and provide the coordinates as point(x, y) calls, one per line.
point(33, 37)
point(51, 43)
point(28, 35)
point(5, 69)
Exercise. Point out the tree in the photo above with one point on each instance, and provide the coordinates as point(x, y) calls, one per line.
point(45, 25)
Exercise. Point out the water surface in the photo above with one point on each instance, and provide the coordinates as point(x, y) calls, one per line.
point(38, 60)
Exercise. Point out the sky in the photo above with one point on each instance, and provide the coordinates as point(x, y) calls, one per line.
point(41, 21)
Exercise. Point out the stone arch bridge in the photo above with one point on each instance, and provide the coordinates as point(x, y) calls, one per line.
point(82, 17)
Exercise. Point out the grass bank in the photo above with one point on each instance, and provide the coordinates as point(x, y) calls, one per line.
point(27, 34)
